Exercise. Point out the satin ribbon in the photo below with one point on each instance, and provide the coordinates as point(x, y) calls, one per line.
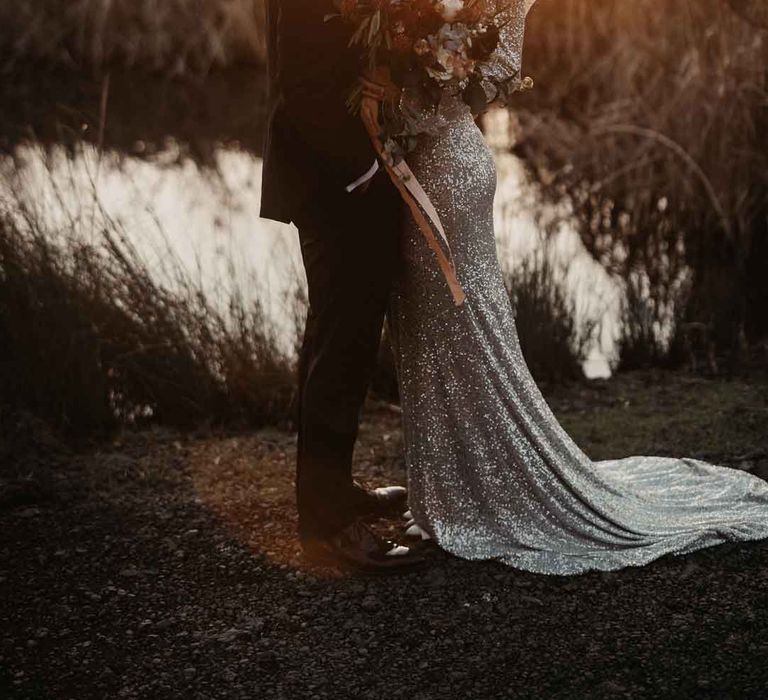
point(419, 203)
point(423, 211)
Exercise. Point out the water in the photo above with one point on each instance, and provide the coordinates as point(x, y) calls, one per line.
point(205, 218)
point(205, 215)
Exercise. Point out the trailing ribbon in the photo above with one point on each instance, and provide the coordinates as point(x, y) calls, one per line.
point(422, 209)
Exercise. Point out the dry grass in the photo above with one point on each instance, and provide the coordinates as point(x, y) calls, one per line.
point(554, 343)
point(652, 118)
point(175, 36)
point(89, 340)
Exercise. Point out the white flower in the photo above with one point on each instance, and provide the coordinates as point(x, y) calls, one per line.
point(449, 48)
point(450, 8)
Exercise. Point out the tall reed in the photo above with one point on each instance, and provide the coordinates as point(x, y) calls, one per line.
point(651, 117)
point(89, 340)
point(553, 340)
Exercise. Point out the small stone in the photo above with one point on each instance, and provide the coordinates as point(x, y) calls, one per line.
point(255, 624)
point(229, 635)
point(370, 603)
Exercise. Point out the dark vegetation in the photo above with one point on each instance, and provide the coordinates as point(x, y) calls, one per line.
point(88, 339)
point(554, 343)
point(177, 37)
point(651, 117)
point(133, 112)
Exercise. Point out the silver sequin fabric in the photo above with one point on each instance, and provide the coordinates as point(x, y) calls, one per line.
point(491, 473)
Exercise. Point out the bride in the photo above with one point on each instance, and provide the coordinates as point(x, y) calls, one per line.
point(491, 473)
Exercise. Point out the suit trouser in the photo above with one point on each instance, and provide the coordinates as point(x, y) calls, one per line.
point(349, 245)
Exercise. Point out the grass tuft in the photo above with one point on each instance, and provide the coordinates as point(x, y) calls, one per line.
point(89, 340)
point(554, 343)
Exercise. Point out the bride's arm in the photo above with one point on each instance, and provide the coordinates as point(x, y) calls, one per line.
point(501, 73)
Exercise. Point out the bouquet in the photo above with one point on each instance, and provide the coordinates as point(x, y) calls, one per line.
point(429, 47)
point(426, 49)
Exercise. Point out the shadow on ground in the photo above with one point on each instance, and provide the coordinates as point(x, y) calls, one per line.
point(165, 565)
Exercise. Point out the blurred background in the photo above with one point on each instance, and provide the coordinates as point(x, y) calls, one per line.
point(137, 283)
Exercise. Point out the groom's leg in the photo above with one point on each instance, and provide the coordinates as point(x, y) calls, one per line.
point(349, 244)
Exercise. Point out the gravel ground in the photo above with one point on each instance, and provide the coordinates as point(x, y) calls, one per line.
point(164, 564)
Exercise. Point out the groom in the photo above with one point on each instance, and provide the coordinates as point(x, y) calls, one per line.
point(320, 172)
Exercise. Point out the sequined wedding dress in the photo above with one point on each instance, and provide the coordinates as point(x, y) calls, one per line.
point(491, 473)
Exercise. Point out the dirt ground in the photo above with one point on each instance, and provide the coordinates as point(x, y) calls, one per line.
point(164, 564)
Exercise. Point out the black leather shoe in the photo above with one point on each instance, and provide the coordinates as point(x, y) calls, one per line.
point(381, 502)
point(357, 547)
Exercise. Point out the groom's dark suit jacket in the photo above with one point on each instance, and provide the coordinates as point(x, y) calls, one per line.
point(312, 140)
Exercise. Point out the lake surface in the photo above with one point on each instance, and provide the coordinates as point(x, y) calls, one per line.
point(180, 202)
